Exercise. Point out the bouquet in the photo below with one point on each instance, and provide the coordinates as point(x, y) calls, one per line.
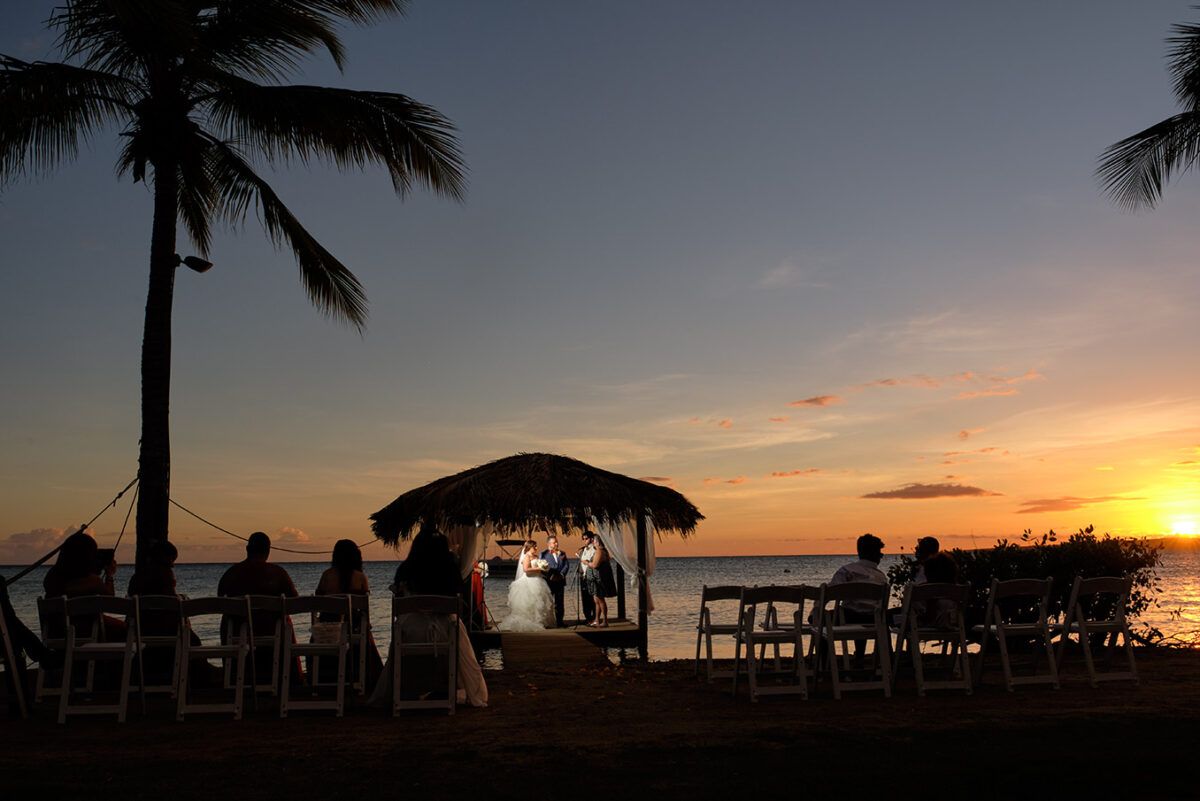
point(540, 564)
point(483, 569)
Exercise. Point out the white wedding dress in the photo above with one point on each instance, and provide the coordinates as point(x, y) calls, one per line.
point(530, 604)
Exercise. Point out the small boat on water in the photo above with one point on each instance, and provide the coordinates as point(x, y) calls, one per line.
point(504, 564)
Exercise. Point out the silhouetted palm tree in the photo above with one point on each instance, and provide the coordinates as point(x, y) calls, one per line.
point(1135, 170)
point(195, 89)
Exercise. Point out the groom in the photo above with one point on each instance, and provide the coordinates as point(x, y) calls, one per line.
point(555, 575)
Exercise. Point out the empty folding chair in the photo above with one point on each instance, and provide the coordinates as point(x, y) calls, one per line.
point(159, 621)
point(86, 633)
point(424, 633)
point(52, 621)
point(360, 639)
point(706, 629)
point(1097, 609)
point(330, 608)
point(266, 643)
point(229, 617)
point(788, 628)
point(935, 613)
point(1017, 609)
point(836, 625)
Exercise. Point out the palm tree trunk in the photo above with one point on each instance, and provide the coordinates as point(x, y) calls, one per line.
point(154, 457)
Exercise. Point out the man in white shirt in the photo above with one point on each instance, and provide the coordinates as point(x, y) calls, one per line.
point(866, 568)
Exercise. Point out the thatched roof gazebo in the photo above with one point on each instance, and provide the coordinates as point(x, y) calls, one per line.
point(540, 491)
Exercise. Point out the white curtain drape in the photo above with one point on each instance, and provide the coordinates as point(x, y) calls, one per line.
point(621, 541)
point(468, 544)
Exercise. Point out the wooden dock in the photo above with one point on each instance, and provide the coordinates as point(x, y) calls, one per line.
point(569, 647)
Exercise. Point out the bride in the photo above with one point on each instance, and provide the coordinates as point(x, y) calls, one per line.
point(530, 604)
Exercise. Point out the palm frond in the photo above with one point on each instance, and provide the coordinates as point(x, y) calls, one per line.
point(48, 110)
point(1183, 62)
point(1135, 170)
point(347, 128)
point(267, 39)
point(125, 37)
point(330, 285)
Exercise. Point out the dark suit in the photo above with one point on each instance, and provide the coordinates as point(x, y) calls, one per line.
point(556, 577)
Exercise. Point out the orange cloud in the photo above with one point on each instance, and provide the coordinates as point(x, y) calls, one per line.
point(726, 423)
point(812, 471)
point(1029, 376)
point(779, 419)
point(925, 491)
point(818, 400)
point(1066, 503)
point(1186, 463)
point(967, 432)
point(992, 449)
point(985, 392)
point(919, 381)
point(738, 480)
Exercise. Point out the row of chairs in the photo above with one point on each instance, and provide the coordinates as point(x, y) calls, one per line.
point(257, 630)
point(818, 621)
point(256, 636)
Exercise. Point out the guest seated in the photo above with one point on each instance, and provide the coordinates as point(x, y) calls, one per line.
point(157, 577)
point(256, 576)
point(926, 548)
point(865, 568)
point(431, 569)
point(345, 577)
point(84, 569)
point(940, 569)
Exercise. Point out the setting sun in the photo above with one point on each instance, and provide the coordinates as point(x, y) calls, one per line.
point(1187, 527)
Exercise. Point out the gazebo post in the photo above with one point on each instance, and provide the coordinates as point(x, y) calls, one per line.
point(620, 592)
point(643, 622)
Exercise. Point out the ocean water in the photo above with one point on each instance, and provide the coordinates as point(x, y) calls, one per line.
point(675, 589)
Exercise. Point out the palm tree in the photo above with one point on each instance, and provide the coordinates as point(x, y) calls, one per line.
point(1135, 170)
point(196, 90)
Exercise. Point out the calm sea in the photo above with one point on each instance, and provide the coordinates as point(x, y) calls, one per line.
point(675, 588)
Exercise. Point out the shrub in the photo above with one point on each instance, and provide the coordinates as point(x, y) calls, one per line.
point(1082, 554)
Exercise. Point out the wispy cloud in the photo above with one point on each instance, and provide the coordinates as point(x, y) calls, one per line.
point(812, 471)
point(657, 479)
point(818, 400)
point(1066, 503)
point(924, 381)
point(779, 419)
point(925, 491)
point(983, 393)
point(738, 480)
point(968, 432)
point(993, 449)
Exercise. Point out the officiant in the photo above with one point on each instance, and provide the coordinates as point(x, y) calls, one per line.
point(555, 575)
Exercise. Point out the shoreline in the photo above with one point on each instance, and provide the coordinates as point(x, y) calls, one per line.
point(639, 726)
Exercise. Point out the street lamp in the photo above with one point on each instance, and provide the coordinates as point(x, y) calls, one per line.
point(194, 262)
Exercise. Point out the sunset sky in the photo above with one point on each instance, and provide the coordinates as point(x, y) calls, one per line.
point(824, 268)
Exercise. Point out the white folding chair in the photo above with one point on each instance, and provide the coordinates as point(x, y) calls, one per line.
point(1018, 609)
point(85, 615)
point(935, 613)
point(834, 628)
point(776, 632)
point(1097, 609)
point(360, 638)
point(425, 627)
point(52, 621)
point(231, 618)
point(266, 643)
point(327, 606)
point(159, 621)
point(14, 671)
point(706, 629)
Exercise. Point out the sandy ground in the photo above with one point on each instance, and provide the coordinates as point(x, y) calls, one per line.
point(644, 730)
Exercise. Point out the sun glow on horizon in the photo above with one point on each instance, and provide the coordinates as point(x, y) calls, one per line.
point(1187, 527)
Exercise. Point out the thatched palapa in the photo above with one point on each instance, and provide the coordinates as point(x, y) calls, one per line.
point(532, 492)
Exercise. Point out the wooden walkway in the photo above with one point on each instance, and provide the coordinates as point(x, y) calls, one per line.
point(566, 648)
